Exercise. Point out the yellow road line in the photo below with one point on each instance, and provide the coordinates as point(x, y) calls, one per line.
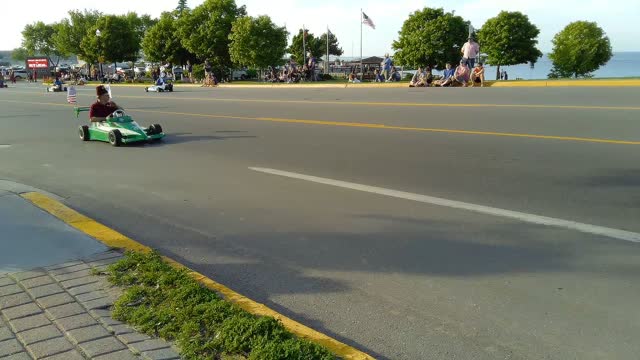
point(391, 127)
point(374, 126)
point(112, 238)
point(383, 104)
point(398, 104)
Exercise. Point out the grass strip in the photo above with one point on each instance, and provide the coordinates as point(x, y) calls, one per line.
point(161, 301)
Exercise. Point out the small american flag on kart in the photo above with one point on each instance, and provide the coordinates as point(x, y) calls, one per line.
point(71, 95)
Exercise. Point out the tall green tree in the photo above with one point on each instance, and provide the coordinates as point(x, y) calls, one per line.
point(334, 46)
point(205, 30)
point(509, 39)
point(162, 43)
point(182, 7)
point(257, 42)
point(37, 38)
point(19, 54)
point(579, 49)
point(312, 44)
point(117, 41)
point(430, 37)
point(72, 30)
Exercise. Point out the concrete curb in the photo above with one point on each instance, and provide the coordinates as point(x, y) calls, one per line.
point(112, 238)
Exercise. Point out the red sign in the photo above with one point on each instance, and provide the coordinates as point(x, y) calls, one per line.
point(37, 63)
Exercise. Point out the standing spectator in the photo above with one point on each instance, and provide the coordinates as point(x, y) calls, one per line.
point(506, 76)
point(190, 71)
point(386, 66)
point(12, 77)
point(207, 67)
point(470, 51)
point(312, 66)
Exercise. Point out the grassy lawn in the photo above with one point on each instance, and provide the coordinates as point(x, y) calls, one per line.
point(161, 301)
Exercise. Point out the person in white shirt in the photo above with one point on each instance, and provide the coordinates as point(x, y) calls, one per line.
point(470, 51)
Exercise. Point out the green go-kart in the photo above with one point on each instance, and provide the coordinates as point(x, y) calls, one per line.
point(118, 129)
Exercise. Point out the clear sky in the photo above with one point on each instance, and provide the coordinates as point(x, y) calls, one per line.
point(618, 18)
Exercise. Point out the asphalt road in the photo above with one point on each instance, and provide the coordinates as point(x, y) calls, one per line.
point(398, 277)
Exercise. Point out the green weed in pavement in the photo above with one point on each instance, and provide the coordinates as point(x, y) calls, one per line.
point(162, 301)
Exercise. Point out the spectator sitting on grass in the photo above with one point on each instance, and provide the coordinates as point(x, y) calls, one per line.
point(447, 76)
point(378, 76)
point(428, 76)
point(462, 74)
point(353, 78)
point(395, 75)
point(418, 79)
point(477, 76)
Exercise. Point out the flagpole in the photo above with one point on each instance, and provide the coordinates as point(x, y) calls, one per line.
point(361, 69)
point(327, 63)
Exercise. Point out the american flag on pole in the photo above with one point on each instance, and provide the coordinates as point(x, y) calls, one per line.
point(71, 95)
point(367, 21)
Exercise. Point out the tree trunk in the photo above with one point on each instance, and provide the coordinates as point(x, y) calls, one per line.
point(498, 72)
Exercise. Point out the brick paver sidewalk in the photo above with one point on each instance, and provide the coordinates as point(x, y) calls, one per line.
point(62, 312)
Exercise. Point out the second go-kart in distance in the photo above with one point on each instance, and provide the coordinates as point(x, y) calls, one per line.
point(58, 86)
point(161, 85)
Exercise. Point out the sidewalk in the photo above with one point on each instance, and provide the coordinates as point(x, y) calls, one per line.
point(55, 302)
point(51, 306)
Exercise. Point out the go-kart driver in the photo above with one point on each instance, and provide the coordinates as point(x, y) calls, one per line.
point(58, 84)
point(103, 107)
point(160, 81)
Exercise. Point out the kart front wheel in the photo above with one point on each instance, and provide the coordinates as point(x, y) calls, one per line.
point(83, 131)
point(115, 137)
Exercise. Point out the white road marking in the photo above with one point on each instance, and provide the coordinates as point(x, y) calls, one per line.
point(530, 218)
point(3, 146)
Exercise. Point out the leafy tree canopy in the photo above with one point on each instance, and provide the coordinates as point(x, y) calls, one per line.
point(579, 49)
point(257, 42)
point(430, 37)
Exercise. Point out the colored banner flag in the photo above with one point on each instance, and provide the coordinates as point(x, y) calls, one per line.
point(367, 21)
point(71, 95)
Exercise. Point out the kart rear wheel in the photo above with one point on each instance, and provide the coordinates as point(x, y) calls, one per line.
point(155, 129)
point(115, 137)
point(83, 131)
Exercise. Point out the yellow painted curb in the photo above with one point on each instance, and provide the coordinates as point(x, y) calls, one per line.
point(566, 83)
point(114, 239)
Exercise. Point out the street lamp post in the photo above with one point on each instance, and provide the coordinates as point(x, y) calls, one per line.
point(98, 33)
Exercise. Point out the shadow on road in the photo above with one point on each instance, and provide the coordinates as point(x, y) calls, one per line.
point(177, 138)
point(617, 178)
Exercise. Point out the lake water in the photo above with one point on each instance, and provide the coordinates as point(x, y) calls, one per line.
point(622, 64)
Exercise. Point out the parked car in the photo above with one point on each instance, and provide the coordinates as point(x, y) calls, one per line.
point(239, 75)
point(21, 74)
point(63, 67)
